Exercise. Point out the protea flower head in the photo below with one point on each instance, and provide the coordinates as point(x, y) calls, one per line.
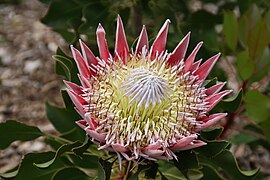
point(146, 103)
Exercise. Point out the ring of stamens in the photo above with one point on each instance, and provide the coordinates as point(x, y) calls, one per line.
point(143, 102)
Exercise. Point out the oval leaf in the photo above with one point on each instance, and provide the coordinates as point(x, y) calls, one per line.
point(104, 169)
point(29, 170)
point(70, 173)
point(257, 105)
point(168, 171)
point(230, 29)
point(64, 148)
point(12, 130)
point(245, 65)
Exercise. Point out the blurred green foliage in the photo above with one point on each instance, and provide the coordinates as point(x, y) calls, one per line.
point(239, 29)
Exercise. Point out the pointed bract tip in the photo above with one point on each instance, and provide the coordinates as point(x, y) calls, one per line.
point(100, 28)
point(71, 47)
point(119, 18)
point(168, 21)
point(72, 50)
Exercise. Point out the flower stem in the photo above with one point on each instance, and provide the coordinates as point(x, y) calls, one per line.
point(127, 170)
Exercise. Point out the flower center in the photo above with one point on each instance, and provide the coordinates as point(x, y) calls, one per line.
point(144, 102)
point(145, 86)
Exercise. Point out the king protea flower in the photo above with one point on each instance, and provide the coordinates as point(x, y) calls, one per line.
point(146, 103)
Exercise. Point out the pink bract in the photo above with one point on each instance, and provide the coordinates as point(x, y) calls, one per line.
point(145, 103)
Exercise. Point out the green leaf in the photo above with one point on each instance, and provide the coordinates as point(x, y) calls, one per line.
point(81, 149)
point(210, 40)
point(66, 66)
point(29, 170)
point(74, 134)
point(228, 163)
point(64, 18)
point(194, 174)
point(69, 63)
point(209, 82)
point(54, 142)
point(244, 5)
point(64, 121)
point(211, 134)
point(84, 161)
point(257, 106)
point(140, 169)
point(244, 138)
point(47, 2)
point(262, 66)
point(62, 66)
point(70, 173)
point(168, 171)
point(67, 101)
point(152, 171)
point(63, 149)
point(104, 169)
point(245, 65)
point(12, 131)
point(209, 19)
point(243, 30)
point(230, 29)
point(186, 160)
point(254, 14)
point(266, 127)
point(213, 148)
point(230, 104)
point(258, 39)
point(210, 173)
